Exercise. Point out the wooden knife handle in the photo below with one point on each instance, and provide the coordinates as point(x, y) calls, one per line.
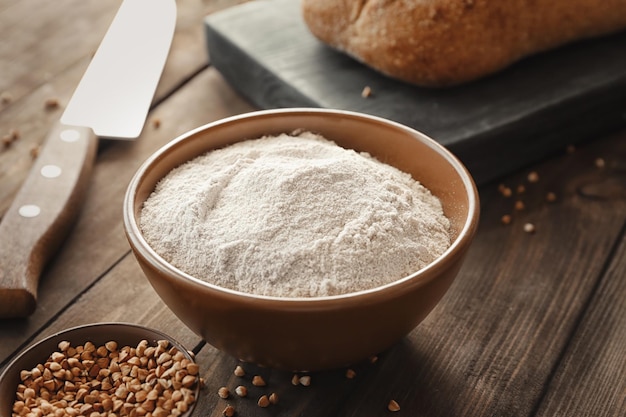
point(41, 215)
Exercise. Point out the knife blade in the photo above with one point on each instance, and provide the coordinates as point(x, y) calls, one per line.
point(111, 101)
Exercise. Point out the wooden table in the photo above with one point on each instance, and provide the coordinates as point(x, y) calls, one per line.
point(534, 325)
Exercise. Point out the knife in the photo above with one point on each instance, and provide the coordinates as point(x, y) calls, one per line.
point(111, 101)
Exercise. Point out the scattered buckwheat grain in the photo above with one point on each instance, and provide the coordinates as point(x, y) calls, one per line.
point(229, 411)
point(295, 379)
point(519, 205)
point(505, 191)
point(533, 176)
point(241, 391)
point(367, 91)
point(239, 371)
point(550, 197)
point(264, 401)
point(350, 373)
point(506, 219)
point(529, 228)
point(223, 392)
point(393, 406)
point(274, 398)
point(600, 163)
point(305, 380)
point(51, 104)
point(258, 381)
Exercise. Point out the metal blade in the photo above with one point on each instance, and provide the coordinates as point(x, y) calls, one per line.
point(114, 95)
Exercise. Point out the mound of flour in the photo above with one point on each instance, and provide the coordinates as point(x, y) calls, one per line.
point(293, 216)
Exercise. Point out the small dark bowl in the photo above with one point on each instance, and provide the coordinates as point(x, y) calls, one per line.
point(98, 333)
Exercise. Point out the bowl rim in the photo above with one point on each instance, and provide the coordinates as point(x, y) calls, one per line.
point(417, 278)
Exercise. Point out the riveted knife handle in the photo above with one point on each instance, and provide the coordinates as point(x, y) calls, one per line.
point(41, 215)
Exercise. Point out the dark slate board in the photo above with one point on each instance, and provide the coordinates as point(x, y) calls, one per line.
point(497, 125)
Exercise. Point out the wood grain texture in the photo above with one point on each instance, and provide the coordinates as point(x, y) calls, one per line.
point(519, 115)
point(590, 379)
point(123, 295)
point(97, 240)
point(40, 46)
point(41, 60)
point(32, 121)
point(533, 325)
point(44, 59)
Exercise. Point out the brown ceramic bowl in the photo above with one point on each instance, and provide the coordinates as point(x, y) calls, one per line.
point(125, 334)
point(323, 332)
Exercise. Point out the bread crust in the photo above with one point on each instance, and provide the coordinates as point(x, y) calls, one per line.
point(439, 43)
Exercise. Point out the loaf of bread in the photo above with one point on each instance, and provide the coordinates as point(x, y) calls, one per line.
point(440, 43)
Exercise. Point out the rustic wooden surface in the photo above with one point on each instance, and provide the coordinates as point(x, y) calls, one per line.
point(534, 325)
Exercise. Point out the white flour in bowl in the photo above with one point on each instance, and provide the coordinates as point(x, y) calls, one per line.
point(293, 216)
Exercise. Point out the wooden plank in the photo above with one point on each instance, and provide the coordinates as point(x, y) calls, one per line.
point(591, 377)
point(41, 40)
point(123, 294)
point(65, 57)
point(97, 240)
point(45, 60)
point(495, 125)
point(488, 349)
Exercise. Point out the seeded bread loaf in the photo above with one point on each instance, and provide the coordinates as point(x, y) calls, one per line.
point(446, 42)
